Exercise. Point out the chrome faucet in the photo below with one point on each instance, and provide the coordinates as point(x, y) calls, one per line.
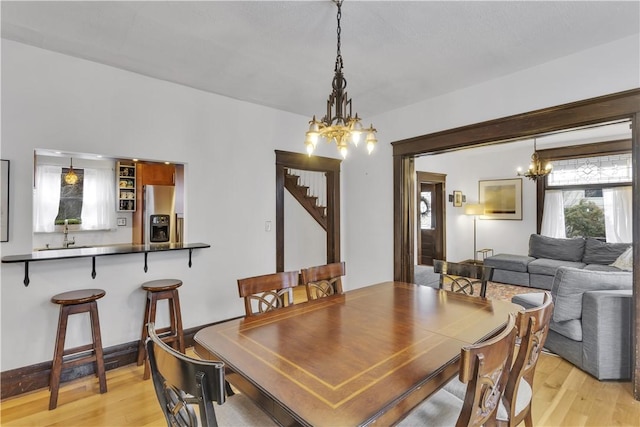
point(66, 242)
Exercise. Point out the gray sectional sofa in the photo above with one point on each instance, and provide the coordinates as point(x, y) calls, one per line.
point(547, 254)
point(591, 323)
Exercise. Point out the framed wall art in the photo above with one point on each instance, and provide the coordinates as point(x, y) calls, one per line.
point(4, 200)
point(502, 198)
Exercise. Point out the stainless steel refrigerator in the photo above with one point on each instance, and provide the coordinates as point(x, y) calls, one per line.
point(159, 214)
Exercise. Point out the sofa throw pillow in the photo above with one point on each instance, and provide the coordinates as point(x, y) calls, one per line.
point(556, 248)
point(625, 261)
point(597, 252)
point(569, 284)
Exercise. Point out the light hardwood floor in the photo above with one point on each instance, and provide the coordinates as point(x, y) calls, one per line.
point(563, 396)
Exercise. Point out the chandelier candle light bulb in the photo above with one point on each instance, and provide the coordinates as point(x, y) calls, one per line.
point(536, 169)
point(339, 125)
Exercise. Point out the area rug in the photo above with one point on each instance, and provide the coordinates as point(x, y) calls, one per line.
point(503, 291)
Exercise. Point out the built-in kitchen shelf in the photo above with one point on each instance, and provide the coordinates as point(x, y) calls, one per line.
point(126, 187)
point(98, 251)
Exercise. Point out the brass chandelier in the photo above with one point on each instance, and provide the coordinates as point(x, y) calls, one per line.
point(536, 169)
point(339, 125)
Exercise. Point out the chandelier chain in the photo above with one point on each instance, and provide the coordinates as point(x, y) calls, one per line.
point(339, 125)
point(339, 64)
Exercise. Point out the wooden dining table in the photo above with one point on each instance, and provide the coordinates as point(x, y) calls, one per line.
point(367, 356)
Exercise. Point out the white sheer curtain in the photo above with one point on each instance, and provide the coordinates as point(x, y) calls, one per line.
point(46, 198)
point(98, 200)
point(553, 214)
point(617, 214)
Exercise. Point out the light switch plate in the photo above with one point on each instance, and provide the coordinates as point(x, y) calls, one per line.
point(122, 221)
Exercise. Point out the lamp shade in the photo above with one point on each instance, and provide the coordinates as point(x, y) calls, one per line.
point(474, 209)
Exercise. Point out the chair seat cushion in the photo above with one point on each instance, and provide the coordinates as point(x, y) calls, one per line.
point(440, 409)
point(529, 300)
point(458, 389)
point(239, 410)
point(525, 393)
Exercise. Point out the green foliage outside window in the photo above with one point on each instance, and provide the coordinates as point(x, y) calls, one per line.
point(71, 197)
point(586, 219)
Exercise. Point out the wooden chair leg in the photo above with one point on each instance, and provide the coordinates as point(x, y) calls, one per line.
point(56, 368)
point(179, 331)
point(97, 347)
point(144, 334)
point(152, 318)
point(173, 330)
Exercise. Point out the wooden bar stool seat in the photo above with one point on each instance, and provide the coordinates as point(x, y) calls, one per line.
point(173, 334)
point(75, 302)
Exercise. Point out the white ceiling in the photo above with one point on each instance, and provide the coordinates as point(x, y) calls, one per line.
point(281, 53)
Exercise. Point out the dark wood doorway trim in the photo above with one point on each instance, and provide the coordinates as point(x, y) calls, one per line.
point(331, 168)
point(622, 105)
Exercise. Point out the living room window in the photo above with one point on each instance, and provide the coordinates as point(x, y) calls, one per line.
point(590, 197)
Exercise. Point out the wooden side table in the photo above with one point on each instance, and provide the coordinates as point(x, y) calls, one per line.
point(485, 253)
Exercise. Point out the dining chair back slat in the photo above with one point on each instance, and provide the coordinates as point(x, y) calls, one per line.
point(533, 327)
point(181, 381)
point(485, 368)
point(324, 280)
point(463, 277)
point(267, 292)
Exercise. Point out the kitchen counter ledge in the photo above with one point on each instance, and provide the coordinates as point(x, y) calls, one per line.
point(98, 251)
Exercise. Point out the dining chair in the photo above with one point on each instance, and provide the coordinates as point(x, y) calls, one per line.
point(323, 280)
point(484, 368)
point(182, 382)
point(267, 292)
point(463, 277)
point(533, 327)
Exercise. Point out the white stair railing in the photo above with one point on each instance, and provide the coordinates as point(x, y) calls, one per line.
point(316, 181)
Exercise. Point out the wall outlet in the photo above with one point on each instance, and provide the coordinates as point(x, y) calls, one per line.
point(122, 222)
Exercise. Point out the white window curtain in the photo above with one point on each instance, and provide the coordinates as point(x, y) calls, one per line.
point(617, 214)
point(46, 198)
point(553, 214)
point(98, 201)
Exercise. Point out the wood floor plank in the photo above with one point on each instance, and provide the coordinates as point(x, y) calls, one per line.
point(564, 396)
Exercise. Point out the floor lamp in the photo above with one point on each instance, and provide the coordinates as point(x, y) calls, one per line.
point(475, 209)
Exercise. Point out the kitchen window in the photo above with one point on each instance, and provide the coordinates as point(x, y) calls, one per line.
point(89, 206)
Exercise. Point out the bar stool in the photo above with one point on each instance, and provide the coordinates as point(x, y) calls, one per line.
point(75, 302)
point(173, 334)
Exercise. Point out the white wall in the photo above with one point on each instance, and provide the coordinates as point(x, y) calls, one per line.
point(54, 101)
point(305, 241)
point(368, 194)
point(464, 169)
